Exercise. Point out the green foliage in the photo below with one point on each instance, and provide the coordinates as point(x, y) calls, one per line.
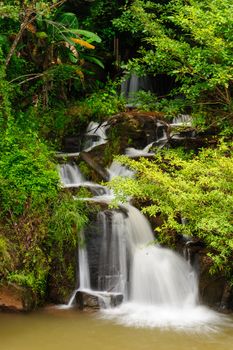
point(50, 49)
point(37, 220)
point(197, 188)
point(85, 170)
point(148, 101)
point(190, 41)
point(69, 217)
point(99, 18)
point(103, 103)
point(5, 258)
point(5, 90)
point(112, 148)
point(26, 173)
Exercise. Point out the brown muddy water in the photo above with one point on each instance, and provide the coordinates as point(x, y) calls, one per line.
point(71, 329)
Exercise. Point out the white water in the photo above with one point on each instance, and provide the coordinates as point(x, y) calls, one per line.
point(112, 276)
point(84, 273)
point(160, 288)
point(133, 84)
point(70, 175)
point(145, 152)
point(95, 135)
point(158, 276)
point(182, 120)
point(117, 169)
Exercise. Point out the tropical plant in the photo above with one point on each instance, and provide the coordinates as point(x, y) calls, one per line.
point(51, 50)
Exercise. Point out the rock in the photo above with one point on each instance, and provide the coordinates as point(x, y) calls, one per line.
point(93, 233)
point(193, 143)
point(215, 290)
point(137, 129)
point(94, 165)
point(96, 300)
point(71, 144)
point(15, 298)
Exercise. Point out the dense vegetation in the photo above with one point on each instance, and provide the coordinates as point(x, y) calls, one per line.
point(190, 42)
point(192, 195)
point(59, 68)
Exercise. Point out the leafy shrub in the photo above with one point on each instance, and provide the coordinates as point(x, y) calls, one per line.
point(190, 42)
point(27, 173)
point(198, 189)
point(39, 221)
point(102, 103)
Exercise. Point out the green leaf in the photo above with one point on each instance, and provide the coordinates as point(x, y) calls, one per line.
point(94, 60)
point(87, 34)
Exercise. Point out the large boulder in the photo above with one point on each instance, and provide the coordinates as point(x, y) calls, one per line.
point(215, 289)
point(96, 300)
point(136, 129)
point(16, 298)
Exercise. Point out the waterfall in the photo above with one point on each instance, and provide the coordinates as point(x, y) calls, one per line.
point(159, 286)
point(70, 175)
point(112, 273)
point(157, 276)
point(133, 84)
point(130, 262)
point(95, 135)
point(182, 120)
point(117, 169)
point(84, 273)
point(159, 142)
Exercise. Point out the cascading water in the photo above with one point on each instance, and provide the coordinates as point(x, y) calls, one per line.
point(159, 287)
point(158, 276)
point(70, 175)
point(160, 140)
point(112, 276)
point(117, 169)
point(182, 120)
point(95, 135)
point(133, 84)
point(84, 273)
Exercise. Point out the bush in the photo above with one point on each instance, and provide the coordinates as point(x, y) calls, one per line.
point(38, 221)
point(197, 188)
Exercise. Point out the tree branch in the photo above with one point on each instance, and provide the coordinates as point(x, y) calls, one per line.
point(27, 20)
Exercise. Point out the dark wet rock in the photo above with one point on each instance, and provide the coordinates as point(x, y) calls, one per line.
point(94, 236)
point(89, 159)
point(71, 144)
point(136, 129)
point(215, 290)
point(96, 300)
point(189, 142)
